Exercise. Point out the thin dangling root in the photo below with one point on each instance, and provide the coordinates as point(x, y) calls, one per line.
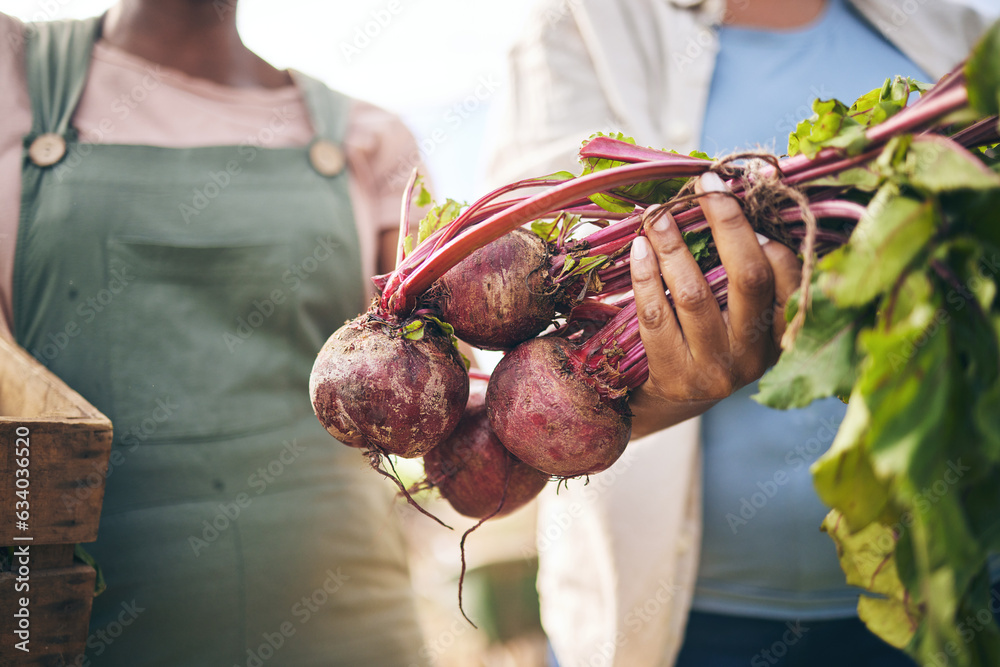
point(461, 578)
point(808, 265)
point(375, 458)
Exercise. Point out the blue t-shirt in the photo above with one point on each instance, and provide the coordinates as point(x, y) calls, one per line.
point(763, 554)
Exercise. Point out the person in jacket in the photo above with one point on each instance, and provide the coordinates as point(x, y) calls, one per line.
point(187, 224)
point(701, 546)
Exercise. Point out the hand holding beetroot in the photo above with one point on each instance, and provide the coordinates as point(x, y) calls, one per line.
point(699, 353)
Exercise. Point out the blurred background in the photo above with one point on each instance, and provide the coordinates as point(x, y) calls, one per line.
point(439, 64)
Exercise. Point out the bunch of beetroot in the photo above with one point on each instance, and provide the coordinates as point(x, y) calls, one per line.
point(892, 203)
point(517, 272)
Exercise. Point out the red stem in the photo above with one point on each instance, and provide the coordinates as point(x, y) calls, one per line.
point(404, 298)
point(468, 215)
point(606, 148)
point(404, 218)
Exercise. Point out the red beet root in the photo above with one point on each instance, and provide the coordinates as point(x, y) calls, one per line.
point(471, 468)
point(552, 418)
point(501, 294)
point(372, 387)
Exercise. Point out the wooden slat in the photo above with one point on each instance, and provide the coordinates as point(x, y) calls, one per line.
point(67, 466)
point(70, 442)
point(59, 614)
point(29, 391)
point(67, 457)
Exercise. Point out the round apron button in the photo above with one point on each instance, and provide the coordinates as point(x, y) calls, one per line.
point(47, 149)
point(327, 158)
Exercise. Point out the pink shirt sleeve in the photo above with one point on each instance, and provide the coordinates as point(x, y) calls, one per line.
point(381, 153)
point(128, 100)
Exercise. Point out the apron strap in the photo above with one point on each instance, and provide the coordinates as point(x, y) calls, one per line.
point(57, 58)
point(328, 109)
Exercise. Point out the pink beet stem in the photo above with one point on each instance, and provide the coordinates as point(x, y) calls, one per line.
point(606, 148)
point(404, 218)
point(404, 297)
point(481, 203)
point(624, 227)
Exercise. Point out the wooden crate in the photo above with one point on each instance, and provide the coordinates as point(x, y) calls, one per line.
point(70, 442)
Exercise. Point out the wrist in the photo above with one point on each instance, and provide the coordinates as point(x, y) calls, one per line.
point(651, 413)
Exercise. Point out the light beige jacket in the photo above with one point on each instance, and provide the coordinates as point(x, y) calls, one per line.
point(618, 557)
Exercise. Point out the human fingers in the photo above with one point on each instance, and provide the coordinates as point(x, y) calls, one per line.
point(751, 281)
point(661, 334)
point(787, 271)
point(697, 310)
point(705, 370)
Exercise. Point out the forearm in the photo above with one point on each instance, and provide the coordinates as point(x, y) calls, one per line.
point(651, 413)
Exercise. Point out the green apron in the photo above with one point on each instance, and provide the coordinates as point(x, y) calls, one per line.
point(185, 293)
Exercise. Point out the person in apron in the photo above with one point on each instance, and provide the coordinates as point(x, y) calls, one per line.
point(234, 530)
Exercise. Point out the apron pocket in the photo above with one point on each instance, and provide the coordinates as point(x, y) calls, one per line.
point(203, 341)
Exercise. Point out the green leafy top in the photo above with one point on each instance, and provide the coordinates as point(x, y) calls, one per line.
point(559, 228)
point(437, 217)
point(699, 243)
point(983, 75)
point(582, 265)
point(645, 193)
point(415, 329)
point(835, 125)
point(905, 320)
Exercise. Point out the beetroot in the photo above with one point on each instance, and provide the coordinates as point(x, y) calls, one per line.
point(474, 471)
point(501, 294)
point(547, 413)
point(395, 390)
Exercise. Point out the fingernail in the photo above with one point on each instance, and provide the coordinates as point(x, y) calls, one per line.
point(640, 247)
point(662, 222)
point(710, 182)
point(761, 239)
